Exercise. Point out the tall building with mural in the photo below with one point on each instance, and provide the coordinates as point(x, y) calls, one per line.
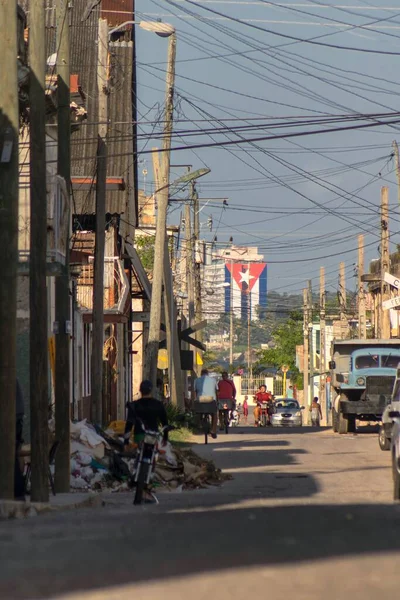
point(233, 278)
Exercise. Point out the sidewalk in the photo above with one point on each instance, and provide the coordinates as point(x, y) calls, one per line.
point(11, 509)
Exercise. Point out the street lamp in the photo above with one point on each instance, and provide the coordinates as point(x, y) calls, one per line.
point(161, 29)
point(151, 354)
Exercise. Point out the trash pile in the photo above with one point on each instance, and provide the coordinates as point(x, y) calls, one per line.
point(99, 462)
point(187, 471)
point(95, 460)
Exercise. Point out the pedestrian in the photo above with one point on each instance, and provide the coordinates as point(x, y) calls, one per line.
point(246, 408)
point(19, 481)
point(289, 393)
point(205, 389)
point(316, 412)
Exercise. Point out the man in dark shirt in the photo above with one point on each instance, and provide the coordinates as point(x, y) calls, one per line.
point(145, 413)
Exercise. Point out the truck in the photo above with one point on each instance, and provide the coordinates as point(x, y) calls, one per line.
point(362, 377)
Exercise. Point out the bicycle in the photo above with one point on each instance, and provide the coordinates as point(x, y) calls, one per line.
point(205, 406)
point(225, 407)
point(205, 422)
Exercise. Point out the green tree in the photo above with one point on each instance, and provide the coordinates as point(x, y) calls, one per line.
point(286, 336)
point(145, 248)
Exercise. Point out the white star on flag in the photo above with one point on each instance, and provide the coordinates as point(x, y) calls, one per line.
point(245, 277)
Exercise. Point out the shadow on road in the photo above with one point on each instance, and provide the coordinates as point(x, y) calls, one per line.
point(151, 545)
point(205, 531)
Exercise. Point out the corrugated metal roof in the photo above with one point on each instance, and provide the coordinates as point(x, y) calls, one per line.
point(120, 149)
point(83, 40)
point(117, 11)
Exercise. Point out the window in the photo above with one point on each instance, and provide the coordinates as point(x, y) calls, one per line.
point(371, 361)
point(390, 362)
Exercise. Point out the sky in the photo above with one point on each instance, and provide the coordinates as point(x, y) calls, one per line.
point(243, 71)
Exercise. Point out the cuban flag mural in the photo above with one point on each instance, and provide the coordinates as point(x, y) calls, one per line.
point(248, 286)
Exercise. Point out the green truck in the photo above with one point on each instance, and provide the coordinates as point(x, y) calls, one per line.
point(362, 378)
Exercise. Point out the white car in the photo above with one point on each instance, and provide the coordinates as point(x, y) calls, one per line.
point(395, 450)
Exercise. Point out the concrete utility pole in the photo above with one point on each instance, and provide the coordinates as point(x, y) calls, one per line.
point(362, 320)
point(101, 185)
point(397, 163)
point(62, 368)
point(175, 371)
point(311, 341)
point(305, 348)
point(231, 318)
point(198, 307)
point(39, 398)
point(9, 128)
point(342, 300)
point(189, 260)
point(385, 265)
point(150, 366)
point(322, 353)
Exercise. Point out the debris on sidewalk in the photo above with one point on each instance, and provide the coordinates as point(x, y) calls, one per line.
point(100, 462)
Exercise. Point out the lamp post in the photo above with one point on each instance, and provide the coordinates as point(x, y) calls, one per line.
point(163, 30)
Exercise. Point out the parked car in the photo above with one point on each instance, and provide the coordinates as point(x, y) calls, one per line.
point(385, 429)
point(395, 449)
point(287, 413)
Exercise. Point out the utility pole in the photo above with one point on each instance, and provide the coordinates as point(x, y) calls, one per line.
point(305, 348)
point(150, 366)
point(322, 352)
point(189, 276)
point(39, 413)
point(63, 323)
point(385, 265)
point(9, 129)
point(397, 163)
point(189, 258)
point(101, 186)
point(311, 340)
point(198, 308)
point(231, 318)
point(362, 320)
point(175, 371)
point(342, 300)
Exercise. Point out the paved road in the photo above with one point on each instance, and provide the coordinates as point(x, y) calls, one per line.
point(308, 515)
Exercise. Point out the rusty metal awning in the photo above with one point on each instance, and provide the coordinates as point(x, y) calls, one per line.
point(139, 270)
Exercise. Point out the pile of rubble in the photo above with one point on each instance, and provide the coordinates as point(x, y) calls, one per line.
point(99, 462)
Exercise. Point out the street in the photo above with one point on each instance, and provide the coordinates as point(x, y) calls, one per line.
point(308, 514)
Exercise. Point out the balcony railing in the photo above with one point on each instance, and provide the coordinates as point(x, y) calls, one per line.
point(116, 286)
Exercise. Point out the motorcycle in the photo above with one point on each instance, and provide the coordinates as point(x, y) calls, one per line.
point(264, 414)
point(148, 452)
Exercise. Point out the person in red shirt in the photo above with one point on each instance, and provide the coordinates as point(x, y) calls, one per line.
point(262, 398)
point(226, 394)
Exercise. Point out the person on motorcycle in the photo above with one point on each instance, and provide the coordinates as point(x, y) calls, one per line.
point(226, 394)
point(145, 413)
point(263, 400)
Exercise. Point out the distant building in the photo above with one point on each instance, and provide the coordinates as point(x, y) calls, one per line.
point(233, 277)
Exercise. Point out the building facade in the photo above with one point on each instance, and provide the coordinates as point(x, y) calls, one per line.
point(234, 279)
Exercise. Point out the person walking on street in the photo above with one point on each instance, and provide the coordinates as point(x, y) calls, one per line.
point(246, 408)
point(316, 412)
point(289, 393)
point(226, 397)
point(205, 389)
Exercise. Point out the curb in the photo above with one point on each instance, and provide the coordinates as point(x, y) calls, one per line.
point(11, 509)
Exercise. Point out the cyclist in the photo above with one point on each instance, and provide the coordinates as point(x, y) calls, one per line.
point(263, 399)
point(226, 396)
point(205, 387)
